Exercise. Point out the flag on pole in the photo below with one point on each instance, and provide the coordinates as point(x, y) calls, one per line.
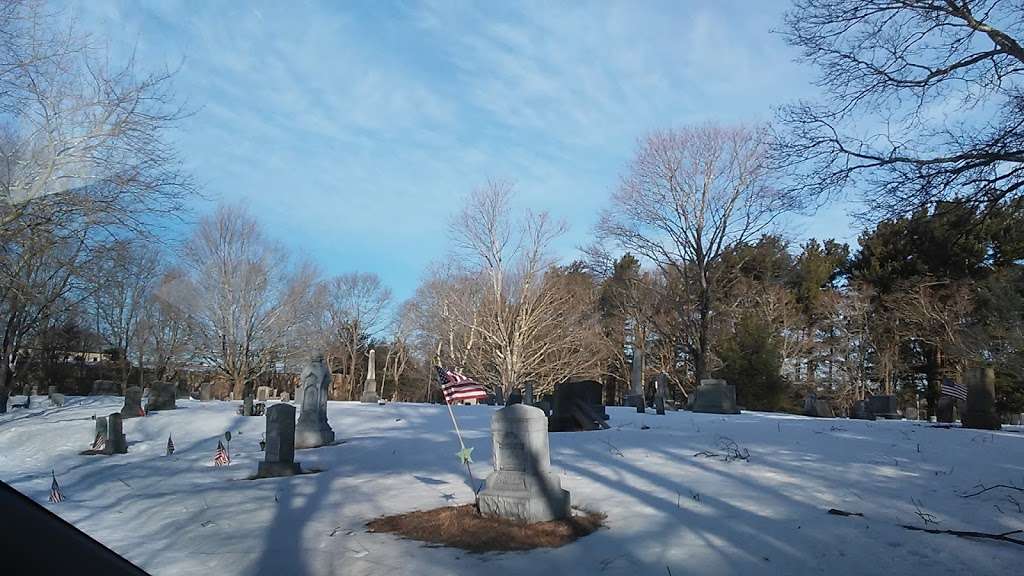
point(457, 387)
point(100, 442)
point(950, 388)
point(170, 445)
point(221, 457)
point(56, 496)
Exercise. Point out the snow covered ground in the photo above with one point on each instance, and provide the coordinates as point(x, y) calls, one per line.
point(666, 507)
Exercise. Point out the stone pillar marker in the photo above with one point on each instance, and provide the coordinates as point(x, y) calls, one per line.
point(313, 429)
point(981, 398)
point(132, 403)
point(116, 442)
point(279, 455)
point(370, 386)
point(660, 390)
point(206, 391)
point(528, 393)
point(522, 486)
point(247, 405)
point(636, 382)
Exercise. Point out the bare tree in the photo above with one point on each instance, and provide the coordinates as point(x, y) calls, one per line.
point(164, 326)
point(357, 306)
point(84, 159)
point(526, 321)
point(124, 281)
point(923, 101)
point(247, 302)
point(690, 195)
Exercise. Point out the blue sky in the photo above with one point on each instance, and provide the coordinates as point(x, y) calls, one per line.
point(354, 129)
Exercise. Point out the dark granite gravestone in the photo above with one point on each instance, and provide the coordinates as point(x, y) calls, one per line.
point(279, 453)
point(522, 486)
point(577, 406)
point(162, 396)
point(116, 441)
point(247, 405)
point(883, 406)
point(5, 396)
point(714, 397)
point(817, 407)
point(861, 411)
point(528, 393)
point(105, 388)
point(206, 391)
point(313, 429)
point(981, 400)
point(132, 403)
point(660, 392)
point(515, 397)
point(945, 410)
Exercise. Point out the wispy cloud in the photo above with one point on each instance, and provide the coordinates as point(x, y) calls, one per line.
point(354, 129)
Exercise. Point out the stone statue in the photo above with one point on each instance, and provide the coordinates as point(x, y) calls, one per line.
point(312, 429)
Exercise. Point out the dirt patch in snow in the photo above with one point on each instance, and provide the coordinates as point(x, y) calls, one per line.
point(463, 527)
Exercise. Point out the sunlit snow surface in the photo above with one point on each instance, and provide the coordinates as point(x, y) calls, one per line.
point(665, 507)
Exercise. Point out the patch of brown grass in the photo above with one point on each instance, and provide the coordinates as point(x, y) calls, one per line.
point(463, 527)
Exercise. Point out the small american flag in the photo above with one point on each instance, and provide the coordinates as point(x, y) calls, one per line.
point(950, 388)
point(170, 445)
point(457, 387)
point(56, 495)
point(100, 442)
point(221, 457)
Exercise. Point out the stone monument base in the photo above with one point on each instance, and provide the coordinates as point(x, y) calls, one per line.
point(524, 497)
point(307, 438)
point(369, 397)
point(714, 397)
point(276, 469)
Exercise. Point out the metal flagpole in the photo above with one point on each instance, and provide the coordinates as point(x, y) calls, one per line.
point(463, 454)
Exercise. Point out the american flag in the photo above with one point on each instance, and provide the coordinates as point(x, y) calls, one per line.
point(100, 442)
point(950, 388)
point(457, 387)
point(170, 445)
point(56, 495)
point(221, 457)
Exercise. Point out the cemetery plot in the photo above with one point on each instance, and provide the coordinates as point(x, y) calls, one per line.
point(710, 493)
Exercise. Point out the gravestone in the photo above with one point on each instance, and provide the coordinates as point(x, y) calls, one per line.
point(105, 388)
point(116, 442)
point(660, 391)
point(285, 397)
point(944, 410)
point(817, 407)
point(298, 395)
point(910, 413)
point(101, 430)
point(515, 397)
point(51, 390)
point(247, 405)
point(206, 391)
point(981, 400)
point(861, 411)
point(636, 383)
point(279, 454)
point(714, 397)
point(528, 393)
point(577, 406)
point(5, 396)
point(162, 396)
point(370, 386)
point(884, 406)
point(262, 393)
point(35, 391)
point(313, 429)
point(132, 403)
point(522, 486)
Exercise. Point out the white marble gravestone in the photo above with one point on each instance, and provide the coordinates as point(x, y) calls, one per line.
point(370, 386)
point(522, 486)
